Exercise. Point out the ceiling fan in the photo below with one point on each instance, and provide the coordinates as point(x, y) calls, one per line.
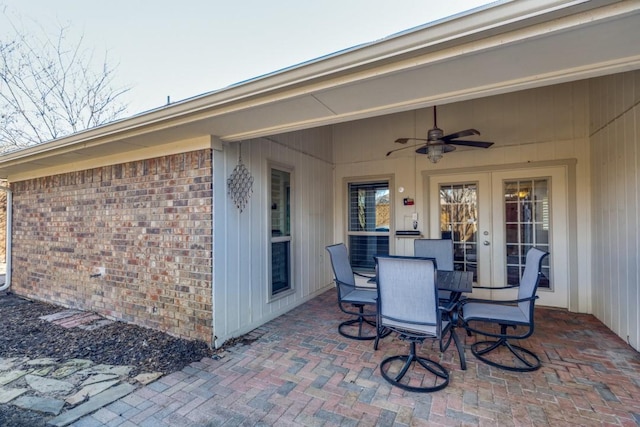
point(437, 143)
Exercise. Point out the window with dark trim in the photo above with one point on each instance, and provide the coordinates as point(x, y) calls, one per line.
point(369, 219)
point(280, 217)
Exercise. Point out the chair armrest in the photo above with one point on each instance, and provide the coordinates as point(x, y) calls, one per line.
point(496, 288)
point(492, 301)
point(340, 283)
point(364, 275)
point(448, 307)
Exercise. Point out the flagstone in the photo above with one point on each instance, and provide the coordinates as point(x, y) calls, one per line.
point(148, 377)
point(42, 372)
point(48, 385)
point(40, 404)
point(8, 394)
point(90, 390)
point(42, 361)
point(10, 376)
point(99, 378)
point(84, 363)
point(65, 371)
point(96, 402)
point(59, 315)
point(7, 363)
point(120, 370)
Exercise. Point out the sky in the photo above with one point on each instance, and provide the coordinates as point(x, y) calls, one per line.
point(183, 48)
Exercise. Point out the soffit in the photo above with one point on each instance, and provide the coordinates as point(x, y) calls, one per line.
point(501, 58)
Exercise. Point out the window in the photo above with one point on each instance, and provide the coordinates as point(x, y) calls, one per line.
point(369, 220)
point(280, 215)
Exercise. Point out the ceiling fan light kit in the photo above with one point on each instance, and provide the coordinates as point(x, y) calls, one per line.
point(436, 143)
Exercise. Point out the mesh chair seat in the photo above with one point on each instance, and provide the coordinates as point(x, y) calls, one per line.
point(511, 314)
point(360, 296)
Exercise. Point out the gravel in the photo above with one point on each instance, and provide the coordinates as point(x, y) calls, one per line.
point(23, 334)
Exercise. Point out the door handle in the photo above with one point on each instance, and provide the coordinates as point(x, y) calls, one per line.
point(486, 243)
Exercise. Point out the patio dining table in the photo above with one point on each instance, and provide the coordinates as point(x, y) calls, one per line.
point(457, 282)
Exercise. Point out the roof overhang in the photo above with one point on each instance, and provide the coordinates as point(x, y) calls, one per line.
point(504, 47)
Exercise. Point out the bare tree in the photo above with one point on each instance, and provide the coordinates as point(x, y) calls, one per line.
point(50, 87)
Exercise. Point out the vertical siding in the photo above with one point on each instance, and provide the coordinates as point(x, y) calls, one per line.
point(537, 125)
point(242, 239)
point(615, 147)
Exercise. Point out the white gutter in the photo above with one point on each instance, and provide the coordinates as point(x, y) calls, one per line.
point(7, 278)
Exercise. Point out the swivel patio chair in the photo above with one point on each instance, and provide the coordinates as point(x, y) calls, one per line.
point(442, 251)
point(479, 314)
point(350, 295)
point(408, 305)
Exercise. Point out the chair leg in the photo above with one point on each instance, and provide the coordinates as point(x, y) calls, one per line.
point(381, 332)
point(441, 376)
point(456, 339)
point(529, 360)
point(361, 322)
point(444, 345)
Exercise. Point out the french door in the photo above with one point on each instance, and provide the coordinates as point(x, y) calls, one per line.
point(495, 217)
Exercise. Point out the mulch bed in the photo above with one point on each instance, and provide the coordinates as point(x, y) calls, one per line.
point(23, 334)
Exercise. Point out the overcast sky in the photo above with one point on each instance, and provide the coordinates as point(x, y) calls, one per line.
point(183, 48)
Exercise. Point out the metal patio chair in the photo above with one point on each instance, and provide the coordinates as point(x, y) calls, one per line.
point(362, 327)
point(408, 305)
point(515, 314)
point(442, 251)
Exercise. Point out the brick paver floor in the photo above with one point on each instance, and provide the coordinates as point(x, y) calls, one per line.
point(301, 372)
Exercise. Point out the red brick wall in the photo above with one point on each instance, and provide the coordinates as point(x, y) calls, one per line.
point(148, 223)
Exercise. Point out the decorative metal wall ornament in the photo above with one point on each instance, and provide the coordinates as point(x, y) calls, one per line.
point(240, 183)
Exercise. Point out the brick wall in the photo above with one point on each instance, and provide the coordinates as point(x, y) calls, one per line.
point(148, 223)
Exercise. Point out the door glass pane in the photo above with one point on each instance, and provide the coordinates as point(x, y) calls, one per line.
point(459, 221)
point(526, 204)
point(369, 222)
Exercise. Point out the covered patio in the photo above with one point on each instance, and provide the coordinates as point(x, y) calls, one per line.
point(297, 370)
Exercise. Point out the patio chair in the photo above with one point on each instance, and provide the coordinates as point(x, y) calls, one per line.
point(408, 305)
point(479, 314)
point(442, 251)
point(363, 326)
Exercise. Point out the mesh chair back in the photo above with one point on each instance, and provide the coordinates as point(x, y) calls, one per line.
point(530, 278)
point(440, 249)
point(342, 270)
point(407, 295)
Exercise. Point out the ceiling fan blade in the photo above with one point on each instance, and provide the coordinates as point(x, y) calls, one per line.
point(460, 134)
point(478, 144)
point(405, 140)
point(398, 149)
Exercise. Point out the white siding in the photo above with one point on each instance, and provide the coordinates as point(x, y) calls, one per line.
point(242, 239)
point(536, 125)
point(594, 122)
point(615, 148)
